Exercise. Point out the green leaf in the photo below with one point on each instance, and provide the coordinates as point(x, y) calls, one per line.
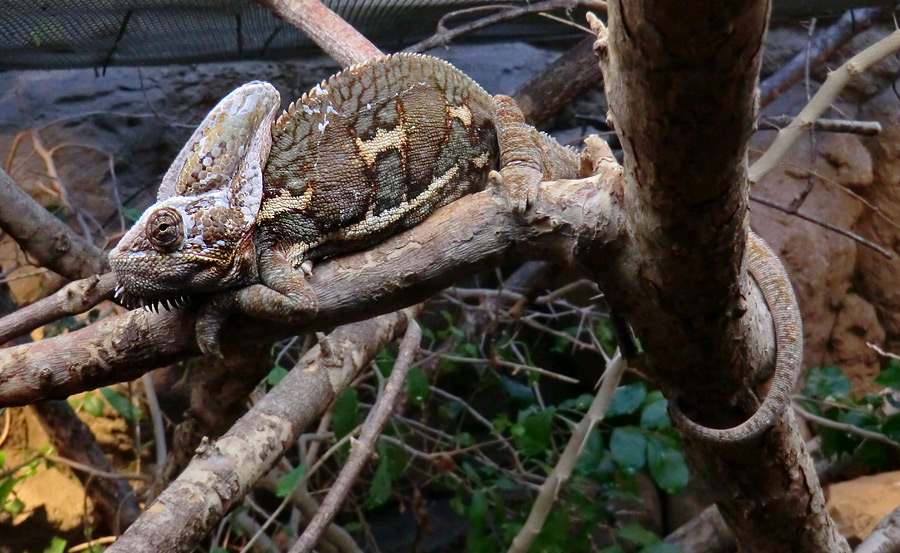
point(131, 412)
point(890, 375)
point(580, 403)
point(655, 416)
point(628, 446)
point(636, 533)
point(6, 487)
point(384, 361)
point(555, 535)
point(661, 547)
point(826, 382)
point(380, 489)
point(518, 392)
point(627, 399)
point(477, 540)
point(417, 386)
point(667, 466)
point(890, 427)
point(612, 549)
point(396, 457)
point(861, 419)
point(132, 214)
point(14, 507)
point(289, 481)
point(591, 453)
point(836, 441)
point(57, 545)
point(532, 434)
point(93, 405)
point(275, 375)
point(874, 455)
point(345, 414)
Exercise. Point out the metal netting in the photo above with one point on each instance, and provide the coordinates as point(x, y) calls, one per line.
point(99, 33)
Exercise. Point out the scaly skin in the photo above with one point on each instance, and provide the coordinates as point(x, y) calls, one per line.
point(769, 274)
point(363, 156)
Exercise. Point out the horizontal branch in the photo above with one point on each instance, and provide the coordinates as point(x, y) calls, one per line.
point(571, 220)
point(48, 240)
point(72, 299)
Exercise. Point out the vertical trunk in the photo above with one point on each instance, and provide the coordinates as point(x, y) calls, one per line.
point(681, 83)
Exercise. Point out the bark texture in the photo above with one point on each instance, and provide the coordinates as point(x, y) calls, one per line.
point(681, 83)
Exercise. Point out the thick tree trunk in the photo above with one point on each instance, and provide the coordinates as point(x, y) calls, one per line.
point(681, 83)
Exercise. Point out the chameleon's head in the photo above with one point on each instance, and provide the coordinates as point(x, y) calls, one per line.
point(197, 237)
point(183, 246)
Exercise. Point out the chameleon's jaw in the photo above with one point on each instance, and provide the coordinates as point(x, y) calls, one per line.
point(133, 301)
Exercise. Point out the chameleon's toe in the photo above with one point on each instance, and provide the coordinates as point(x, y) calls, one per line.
point(208, 329)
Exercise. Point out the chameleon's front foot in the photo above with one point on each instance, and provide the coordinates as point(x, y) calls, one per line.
point(295, 307)
point(521, 170)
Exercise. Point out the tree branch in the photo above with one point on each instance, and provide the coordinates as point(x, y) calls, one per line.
point(47, 239)
point(821, 101)
point(470, 235)
point(361, 449)
point(222, 472)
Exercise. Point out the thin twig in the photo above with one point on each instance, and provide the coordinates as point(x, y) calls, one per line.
point(823, 98)
point(862, 128)
point(362, 449)
point(90, 544)
point(508, 364)
point(844, 427)
point(551, 487)
point(883, 353)
point(159, 429)
point(93, 471)
point(824, 224)
point(506, 13)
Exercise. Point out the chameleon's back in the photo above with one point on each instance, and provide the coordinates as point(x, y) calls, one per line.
point(373, 151)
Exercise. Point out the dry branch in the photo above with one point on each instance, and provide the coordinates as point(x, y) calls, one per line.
point(362, 448)
point(551, 487)
point(72, 299)
point(824, 45)
point(334, 35)
point(681, 85)
point(48, 240)
point(821, 101)
point(470, 235)
point(223, 471)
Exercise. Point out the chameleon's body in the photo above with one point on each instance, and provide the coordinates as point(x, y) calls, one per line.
point(370, 152)
point(376, 150)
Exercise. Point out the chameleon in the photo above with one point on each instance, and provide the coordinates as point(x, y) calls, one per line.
point(251, 201)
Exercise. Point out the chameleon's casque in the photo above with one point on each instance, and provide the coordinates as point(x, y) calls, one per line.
point(370, 152)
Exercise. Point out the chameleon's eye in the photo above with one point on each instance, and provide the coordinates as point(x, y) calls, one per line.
point(165, 230)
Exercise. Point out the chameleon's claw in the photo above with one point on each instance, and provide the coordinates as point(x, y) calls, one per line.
point(306, 267)
point(208, 329)
point(495, 180)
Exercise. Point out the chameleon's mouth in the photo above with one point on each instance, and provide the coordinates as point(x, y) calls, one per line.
point(134, 301)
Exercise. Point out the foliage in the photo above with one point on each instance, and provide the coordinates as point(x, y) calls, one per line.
point(826, 393)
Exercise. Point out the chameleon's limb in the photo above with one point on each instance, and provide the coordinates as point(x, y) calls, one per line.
point(520, 156)
point(283, 296)
point(769, 274)
point(527, 156)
